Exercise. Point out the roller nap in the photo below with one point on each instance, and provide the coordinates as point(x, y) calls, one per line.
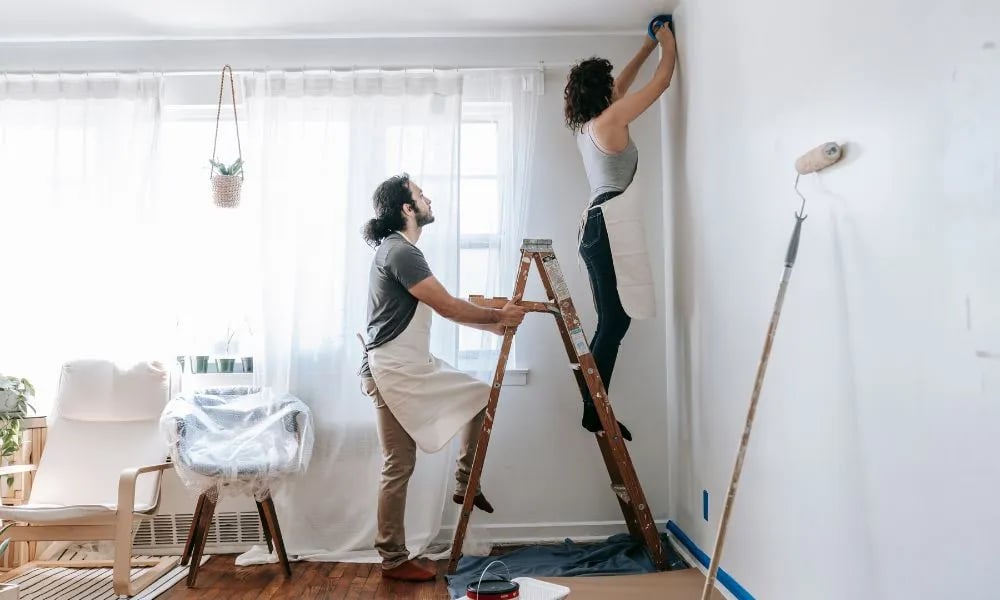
point(818, 158)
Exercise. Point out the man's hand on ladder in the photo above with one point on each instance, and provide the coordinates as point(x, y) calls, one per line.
point(512, 313)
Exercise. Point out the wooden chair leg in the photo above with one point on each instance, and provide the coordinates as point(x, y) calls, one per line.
point(279, 544)
point(263, 525)
point(204, 523)
point(193, 531)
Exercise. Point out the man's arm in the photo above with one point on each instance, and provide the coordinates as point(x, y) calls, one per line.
point(496, 328)
point(624, 80)
point(432, 293)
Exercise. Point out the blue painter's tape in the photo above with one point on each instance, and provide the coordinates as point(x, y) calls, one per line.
point(724, 578)
point(704, 504)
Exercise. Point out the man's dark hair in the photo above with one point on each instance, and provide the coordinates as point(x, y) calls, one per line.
point(388, 201)
point(588, 92)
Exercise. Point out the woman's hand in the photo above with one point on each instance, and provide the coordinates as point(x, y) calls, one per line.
point(664, 36)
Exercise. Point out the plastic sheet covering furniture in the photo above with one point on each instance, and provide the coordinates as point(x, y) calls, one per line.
point(236, 440)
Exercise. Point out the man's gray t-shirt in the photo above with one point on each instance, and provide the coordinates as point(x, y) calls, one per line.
point(398, 265)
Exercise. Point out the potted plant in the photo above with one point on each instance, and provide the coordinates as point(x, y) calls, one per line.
point(226, 362)
point(245, 346)
point(199, 363)
point(186, 342)
point(227, 182)
point(16, 394)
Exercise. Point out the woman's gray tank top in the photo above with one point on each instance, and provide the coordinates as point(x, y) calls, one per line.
point(606, 172)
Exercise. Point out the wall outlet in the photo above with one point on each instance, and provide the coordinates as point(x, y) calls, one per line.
point(704, 504)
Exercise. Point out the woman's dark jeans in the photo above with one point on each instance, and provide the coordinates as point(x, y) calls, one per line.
point(612, 320)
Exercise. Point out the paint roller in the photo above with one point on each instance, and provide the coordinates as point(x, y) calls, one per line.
point(819, 158)
point(813, 161)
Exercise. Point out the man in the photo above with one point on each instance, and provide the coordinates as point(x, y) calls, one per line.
point(420, 400)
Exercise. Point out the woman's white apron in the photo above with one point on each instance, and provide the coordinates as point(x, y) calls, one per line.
point(431, 399)
point(627, 237)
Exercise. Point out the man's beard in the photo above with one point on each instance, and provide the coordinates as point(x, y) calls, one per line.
point(424, 218)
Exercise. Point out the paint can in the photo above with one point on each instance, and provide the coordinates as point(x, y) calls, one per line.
point(493, 589)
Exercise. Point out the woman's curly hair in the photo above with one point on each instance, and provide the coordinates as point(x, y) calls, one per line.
point(588, 92)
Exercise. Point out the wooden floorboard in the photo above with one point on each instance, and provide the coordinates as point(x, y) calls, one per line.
point(220, 578)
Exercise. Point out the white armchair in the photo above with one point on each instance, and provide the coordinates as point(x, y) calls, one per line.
point(100, 469)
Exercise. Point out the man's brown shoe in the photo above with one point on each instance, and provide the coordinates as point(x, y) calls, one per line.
point(479, 502)
point(411, 570)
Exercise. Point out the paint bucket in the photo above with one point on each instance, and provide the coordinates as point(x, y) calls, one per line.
point(493, 589)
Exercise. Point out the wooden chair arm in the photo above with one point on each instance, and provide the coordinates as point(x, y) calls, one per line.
point(123, 524)
point(15, 469)
point(126, 484)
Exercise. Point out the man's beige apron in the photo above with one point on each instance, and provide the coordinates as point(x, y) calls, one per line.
point(431, 399)
point(627, 237)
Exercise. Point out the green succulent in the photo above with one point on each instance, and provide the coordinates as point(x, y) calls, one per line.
point(20, 391)
point(233, 169)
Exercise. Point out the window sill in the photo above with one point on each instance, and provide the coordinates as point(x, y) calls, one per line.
point(515, 377)
point(198, 381)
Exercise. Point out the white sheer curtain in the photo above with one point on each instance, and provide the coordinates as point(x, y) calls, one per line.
point(514, 95)
point(84, 261)
point(318, 143)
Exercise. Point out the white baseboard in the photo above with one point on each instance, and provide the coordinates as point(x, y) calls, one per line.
point(533, 533)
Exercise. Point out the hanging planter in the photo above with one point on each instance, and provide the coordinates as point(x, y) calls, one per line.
point(227, 180)
point(226, 183)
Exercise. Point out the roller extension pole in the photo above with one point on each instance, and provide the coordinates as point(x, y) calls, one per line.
point(793, 249)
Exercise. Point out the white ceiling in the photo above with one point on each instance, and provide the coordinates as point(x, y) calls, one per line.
point(44, 20)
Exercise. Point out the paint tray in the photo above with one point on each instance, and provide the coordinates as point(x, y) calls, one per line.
point(533, 589)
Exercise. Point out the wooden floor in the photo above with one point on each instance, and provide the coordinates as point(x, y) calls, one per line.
point(220, 579)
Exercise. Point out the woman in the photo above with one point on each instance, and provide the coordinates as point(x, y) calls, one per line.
point(598, 110)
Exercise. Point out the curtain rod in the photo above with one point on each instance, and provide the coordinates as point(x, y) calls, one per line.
point(539, 67)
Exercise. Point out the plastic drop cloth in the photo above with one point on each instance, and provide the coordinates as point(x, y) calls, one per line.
point(237, 440)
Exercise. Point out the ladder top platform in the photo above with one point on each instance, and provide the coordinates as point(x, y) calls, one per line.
point(536, 245)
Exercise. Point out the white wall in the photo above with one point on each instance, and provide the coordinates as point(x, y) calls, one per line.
point(544, 474)
point(872, 468)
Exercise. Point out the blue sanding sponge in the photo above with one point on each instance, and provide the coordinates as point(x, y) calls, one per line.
point(657, 21)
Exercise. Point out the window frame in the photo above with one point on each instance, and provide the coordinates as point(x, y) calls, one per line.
point(499, 114)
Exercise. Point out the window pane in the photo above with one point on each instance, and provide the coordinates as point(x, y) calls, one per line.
point(480, 206)
point(479, 149)
point(473, 263)
point(404, 147)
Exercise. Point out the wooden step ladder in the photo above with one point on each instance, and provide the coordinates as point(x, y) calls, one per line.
point(624, 481)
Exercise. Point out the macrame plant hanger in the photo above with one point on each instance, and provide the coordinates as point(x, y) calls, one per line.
point(227, 180)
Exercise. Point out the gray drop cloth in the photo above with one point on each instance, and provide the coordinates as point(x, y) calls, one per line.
point(618, 555)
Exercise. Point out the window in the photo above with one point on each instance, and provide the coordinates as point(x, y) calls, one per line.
point(185, 142)
point(214, 291)
point(479, 221)
point(478, 207)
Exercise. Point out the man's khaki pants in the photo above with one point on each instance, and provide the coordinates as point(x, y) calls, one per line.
point(399, 452)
